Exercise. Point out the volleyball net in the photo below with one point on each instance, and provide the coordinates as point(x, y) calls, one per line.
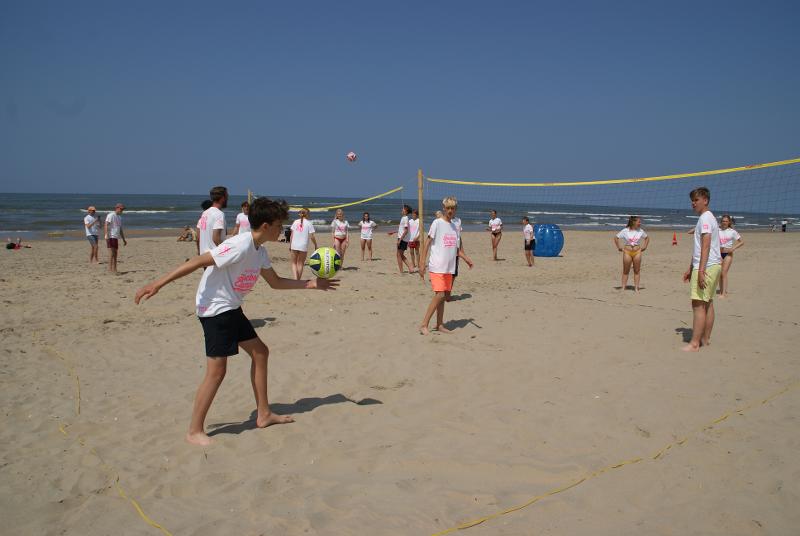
point(757, 196)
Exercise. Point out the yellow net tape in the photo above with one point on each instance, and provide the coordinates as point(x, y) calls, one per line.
point(621, 181)
point(334, 207)
point(657, 456)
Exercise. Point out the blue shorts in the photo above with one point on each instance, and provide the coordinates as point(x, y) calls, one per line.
point(92, 238)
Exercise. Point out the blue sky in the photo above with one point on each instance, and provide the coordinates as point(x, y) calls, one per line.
point(171, 97)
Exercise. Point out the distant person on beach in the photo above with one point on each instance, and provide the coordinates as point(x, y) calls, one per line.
point(17, 245)
point(91, 223)
point(413, 239)
point(233, 270)
point(302, 230)
point(402, 240)
point(784, 223)
point(729, 241)
point(367, 226)
point(496, 228)
point(211, 226)
point(187, 235)
point(704, 270)
point(340, 231)
point(242, 223)
point(631, 241)
point(113, 232)
point(442, 244)
point(530, 243)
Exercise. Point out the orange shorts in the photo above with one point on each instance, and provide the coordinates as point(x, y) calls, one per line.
point(441, 282)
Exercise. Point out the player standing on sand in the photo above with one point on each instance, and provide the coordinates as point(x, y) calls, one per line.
point(704, 270)
point(235, 266)
point(211, 226)
point(113, 233)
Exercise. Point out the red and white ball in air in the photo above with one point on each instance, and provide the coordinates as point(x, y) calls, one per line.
point(352, 157)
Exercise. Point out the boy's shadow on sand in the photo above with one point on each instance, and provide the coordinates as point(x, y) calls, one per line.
point(685, 332)
point(301, 406)
point(459, 324)
point(459, 297)
point(261, 322)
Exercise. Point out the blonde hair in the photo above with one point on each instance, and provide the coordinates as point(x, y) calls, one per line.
point(303, 212)
point(449, 201)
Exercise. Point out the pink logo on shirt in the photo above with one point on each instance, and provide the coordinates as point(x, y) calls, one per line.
point(223, 250)
point(449, 240)
point(705, 227)
point(202, 223)
point(246, 281)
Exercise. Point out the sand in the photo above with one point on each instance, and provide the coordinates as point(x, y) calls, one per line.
point(550, 375)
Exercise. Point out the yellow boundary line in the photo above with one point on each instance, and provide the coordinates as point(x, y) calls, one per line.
point(334, 207)
point(110, 471)
point(654, 457)
point(619, 181)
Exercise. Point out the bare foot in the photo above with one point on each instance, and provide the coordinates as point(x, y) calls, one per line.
point(691, 348)
point(636, 290)
point(199, 438)
point(423, 330)
point(441, 329)
point(722, 296)
point(272, 418)
point(705, 343)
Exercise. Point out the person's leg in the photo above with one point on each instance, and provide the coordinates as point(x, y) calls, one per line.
point(705, 340)
point(436, 301)
point(494, 247)
point(440, 314)
point(363, 248)
point(626, 268)
point(96, 252)
point(637, 267)
point(698, 325)
point(499, 238)
point(369, 247)
point(343, 246)
point(301, 263)
point(412, 253)
point(726, 264)
point(293, 262)
point(259, 354)
point(112, 263)
point(215, 373)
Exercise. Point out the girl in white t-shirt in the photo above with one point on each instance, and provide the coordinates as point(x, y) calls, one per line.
point(339, 231)
point(631, 241)
point(413, 239)
point(367, 225)
point(302, 230)
point(496, 228)
point(729, 241)
point(242, 223)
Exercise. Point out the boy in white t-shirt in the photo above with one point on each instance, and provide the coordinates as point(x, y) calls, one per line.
point(413, 239)
point(92, 225)
point(530, 243)
point(211, 227)
point(704, 270)
point(402, 240)
point(242, 223)
point(113, 234)
point(443, 246)
point(235, 266)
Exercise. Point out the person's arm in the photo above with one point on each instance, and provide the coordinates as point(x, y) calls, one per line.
point(281, 283)
point(739, 243)
point(235, 229)
point(646, 243)
point(463, 255)
point(88, 225)
point(615, 240)
point(105, 229)
point(313, 239)
point(401, 236)
point(197, 241)
point(216, 237)
point(705, 249)
point(122, 235)
point(148, 291)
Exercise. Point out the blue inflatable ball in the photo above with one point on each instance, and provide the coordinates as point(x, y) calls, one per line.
point(549, 240)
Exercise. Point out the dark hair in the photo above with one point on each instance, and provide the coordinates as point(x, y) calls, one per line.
point(245, 204)
point(205, 205)
point(407, 208)
point(700, 192)
point(365, 214)
point(415, 211)
point(264, 210)
point(733, 222)
point(631, 220)
point(217, 193)
point(525, 218)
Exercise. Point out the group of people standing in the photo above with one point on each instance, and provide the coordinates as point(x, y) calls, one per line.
point(113, 232)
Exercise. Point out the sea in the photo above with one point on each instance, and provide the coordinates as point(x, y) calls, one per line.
point(35, 216)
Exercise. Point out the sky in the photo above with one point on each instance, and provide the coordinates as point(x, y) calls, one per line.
point(176, 97)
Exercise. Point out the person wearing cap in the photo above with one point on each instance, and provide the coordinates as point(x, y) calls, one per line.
point(113, 232)
point(91, 224)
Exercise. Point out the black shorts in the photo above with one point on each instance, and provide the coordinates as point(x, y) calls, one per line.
point(224, 332)
point(531, 246)
point(402, 245)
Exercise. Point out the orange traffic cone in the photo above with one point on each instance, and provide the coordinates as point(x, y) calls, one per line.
point(674, 238)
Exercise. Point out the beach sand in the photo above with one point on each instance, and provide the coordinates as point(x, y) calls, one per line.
point(551, 375)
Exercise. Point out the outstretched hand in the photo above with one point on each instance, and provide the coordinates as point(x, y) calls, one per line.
point(326, 284)
point(145, 292)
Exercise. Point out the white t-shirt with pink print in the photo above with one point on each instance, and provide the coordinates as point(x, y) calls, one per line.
point(237, 267)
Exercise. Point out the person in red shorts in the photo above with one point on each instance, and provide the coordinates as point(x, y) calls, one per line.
point(443, 245)
point(113, 233)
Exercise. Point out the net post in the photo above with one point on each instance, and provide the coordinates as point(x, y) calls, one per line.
point(420, 179)
point(249, 197)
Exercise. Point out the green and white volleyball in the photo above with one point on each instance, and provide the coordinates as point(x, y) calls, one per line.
point(325, 262)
